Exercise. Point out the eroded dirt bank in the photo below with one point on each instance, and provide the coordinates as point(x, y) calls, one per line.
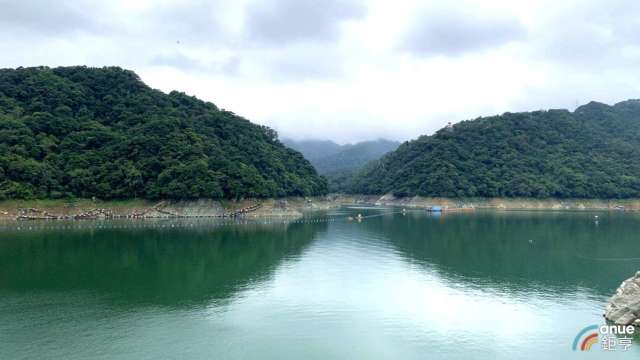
point(289, 207)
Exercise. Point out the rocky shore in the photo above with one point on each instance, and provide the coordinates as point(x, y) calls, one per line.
point(290, 207)
point(624, 307)
point(497, 203)
point(141, 209)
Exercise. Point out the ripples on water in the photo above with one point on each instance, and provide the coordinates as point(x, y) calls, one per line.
point(409, 286)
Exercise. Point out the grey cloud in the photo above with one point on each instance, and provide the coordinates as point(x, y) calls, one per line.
point(49, 17)
point(178, 60)
point(592, 36)
point(303, 62)
point(277, 38)
point(194, 22)
point(300, 69)
point(452, 33)
point(231, 66)
point(283, 22)
point(293, 38)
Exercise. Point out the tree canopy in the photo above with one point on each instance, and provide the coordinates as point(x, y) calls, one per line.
point(337, 162)
point(593, 152)
point(84, 132)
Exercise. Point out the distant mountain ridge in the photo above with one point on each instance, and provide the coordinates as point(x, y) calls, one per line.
point(313, 149)
point(593, 152)
point(354, 156)
point(329, 157)
point(337, 162)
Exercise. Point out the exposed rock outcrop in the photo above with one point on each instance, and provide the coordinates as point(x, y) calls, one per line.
point(624, 306)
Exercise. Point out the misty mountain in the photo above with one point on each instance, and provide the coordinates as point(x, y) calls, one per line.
point(330, 158)
point(313, 149)
point(339, 163)
point(353, 156)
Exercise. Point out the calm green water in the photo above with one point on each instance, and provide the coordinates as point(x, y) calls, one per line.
point(414, 286)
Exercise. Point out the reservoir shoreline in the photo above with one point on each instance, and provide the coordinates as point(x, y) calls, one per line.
point(291, 207)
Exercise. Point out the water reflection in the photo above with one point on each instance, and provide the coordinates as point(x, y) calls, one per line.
point(519, 251)
point(483, 286)
point(166, 266)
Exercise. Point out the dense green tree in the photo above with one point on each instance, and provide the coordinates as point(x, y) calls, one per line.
point(593, 152)
point(78, 131)
point(338, 163)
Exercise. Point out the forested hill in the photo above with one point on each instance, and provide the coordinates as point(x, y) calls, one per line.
point(330, 158)
point(354, 156)
point(338, 163)
point(78, 131)
point(593, 152)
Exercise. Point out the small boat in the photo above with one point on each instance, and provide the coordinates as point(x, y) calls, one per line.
point(434, 208)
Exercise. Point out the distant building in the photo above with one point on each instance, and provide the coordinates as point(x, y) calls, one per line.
point(449, 127)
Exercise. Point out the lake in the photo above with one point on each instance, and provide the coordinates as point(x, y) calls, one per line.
point(483, 285)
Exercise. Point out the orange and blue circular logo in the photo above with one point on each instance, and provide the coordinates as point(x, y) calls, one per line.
point(586, 338)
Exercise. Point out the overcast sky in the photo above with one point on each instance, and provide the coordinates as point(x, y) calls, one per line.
point(346, 70)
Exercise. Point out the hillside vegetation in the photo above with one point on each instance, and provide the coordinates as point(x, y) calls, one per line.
point(593, 152)
point(338, 163)
point(353, 156)
point(85, 132)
